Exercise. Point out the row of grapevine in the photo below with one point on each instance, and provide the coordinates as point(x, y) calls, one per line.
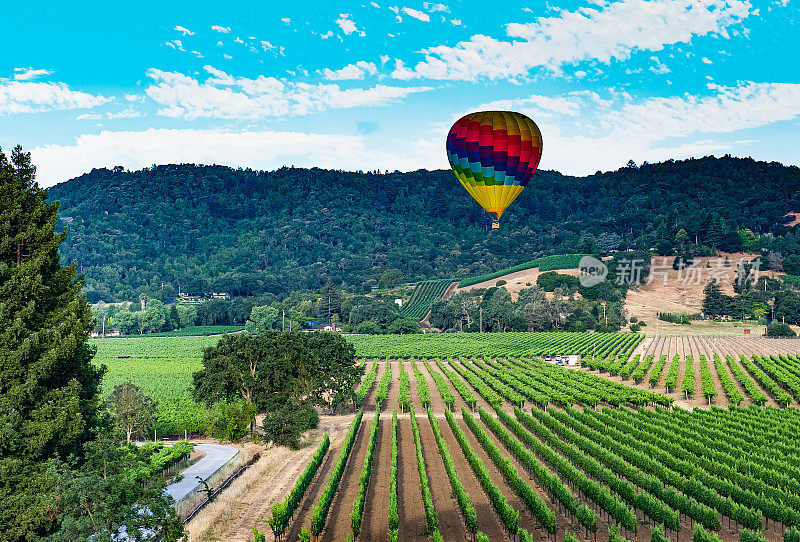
point(460, 494)
point(366, 385)
point(688, 384)
point(735, 397)
point(404, 394)
point(627, 368)
point(383, 385)
point(781, 397)
point(431, 520)
point(655, 374)
point(707, 380)
point(463, 390)
point(784, 376)
point(753, 391)
point(441, 385)
point(363, 481)
point(641, 370)
point(508, 516)
point(671, 380)
point(319, 512)
point(423, 392)
point(532, 500)
point(282, 512)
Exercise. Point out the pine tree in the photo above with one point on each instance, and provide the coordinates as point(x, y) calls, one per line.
point(330, 302)
point(714, 302)
point(48, 387)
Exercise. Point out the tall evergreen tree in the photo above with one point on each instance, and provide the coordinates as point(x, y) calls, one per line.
point(330, 302)
point(48, 387)
point(714, 301)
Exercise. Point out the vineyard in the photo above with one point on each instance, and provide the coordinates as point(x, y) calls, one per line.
point(546, 263)
point(495, 344)
point(508, 447)
point(162, 367)
point(425, 294)
point(703, 371)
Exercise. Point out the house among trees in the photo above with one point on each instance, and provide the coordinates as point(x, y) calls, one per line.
point(322, 326)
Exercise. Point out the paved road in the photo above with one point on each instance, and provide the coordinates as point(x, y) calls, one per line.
point(216, 456)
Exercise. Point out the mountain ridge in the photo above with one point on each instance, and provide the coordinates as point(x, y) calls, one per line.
point(247, 232)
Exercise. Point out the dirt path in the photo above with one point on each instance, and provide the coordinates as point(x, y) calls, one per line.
point(409, 500)
point(375, 521)
point(451, 525)
point(303, 518)
point(338, 521)
point(437, 404)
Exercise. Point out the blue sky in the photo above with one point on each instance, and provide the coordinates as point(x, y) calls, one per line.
point(376, 85)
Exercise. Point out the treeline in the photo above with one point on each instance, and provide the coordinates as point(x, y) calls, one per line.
point(571, 307)
point(245, 232)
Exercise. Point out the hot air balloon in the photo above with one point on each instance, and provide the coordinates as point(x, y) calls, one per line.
point(494, 154)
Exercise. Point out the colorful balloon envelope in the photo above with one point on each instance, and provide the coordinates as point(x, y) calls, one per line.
point(494, 154)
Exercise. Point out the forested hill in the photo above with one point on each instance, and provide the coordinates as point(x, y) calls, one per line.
point(215, 228)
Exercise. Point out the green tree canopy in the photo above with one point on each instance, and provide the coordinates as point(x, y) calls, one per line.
point(270, 368)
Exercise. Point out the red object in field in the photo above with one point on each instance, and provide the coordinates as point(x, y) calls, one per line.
point(747, 332)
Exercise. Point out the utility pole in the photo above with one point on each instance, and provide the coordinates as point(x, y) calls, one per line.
point(480, 311)
point(104, 327)
point(283, 319)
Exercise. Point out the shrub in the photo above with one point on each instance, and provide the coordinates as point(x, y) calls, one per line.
point(284, 425)
point(778, 329)
point(230, 420)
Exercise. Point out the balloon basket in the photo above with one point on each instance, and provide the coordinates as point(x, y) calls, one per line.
point(495, 224)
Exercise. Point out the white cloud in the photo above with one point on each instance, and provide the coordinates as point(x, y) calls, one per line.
point(29, 97)
point(238, 40)
point(347, 25)
point(286, 20)
point(226, 56)
point(384, 59)
point(221, 29)
point(612, 32)
point(134, 150)
point(594, 133)
point(254, 149)
point(186, 31)
point(374, 4)
point(351, 71)
point(326, 35)
point(226, 96)
point(176, 44)
point(417, 14)
point(26, 74)
point(134, 98)
point(128, 113)
point(706, 61)
point(430, 6)
point(659, 68)
point(580, 73)
point(455, 22)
